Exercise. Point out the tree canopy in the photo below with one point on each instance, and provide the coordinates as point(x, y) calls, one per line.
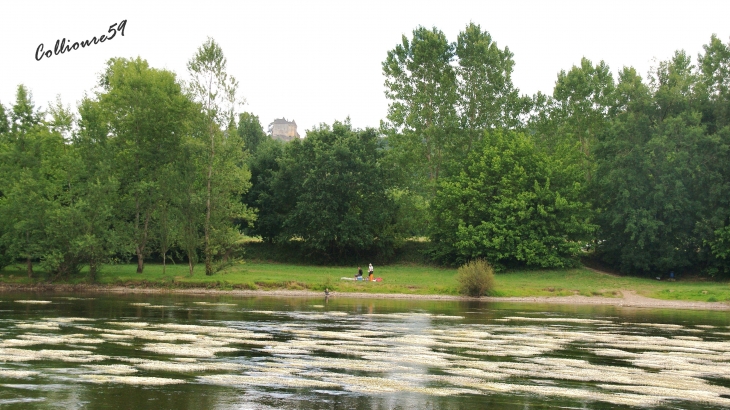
point(631, 171)
point(511, 204)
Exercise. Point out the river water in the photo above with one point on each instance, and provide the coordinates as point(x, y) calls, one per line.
point(108, 351)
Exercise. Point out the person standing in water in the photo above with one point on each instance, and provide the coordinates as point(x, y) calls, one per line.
point(371, 272)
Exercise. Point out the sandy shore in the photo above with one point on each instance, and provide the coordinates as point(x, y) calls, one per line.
point(629, 298)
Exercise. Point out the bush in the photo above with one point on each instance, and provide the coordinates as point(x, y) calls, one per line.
point(476, 278)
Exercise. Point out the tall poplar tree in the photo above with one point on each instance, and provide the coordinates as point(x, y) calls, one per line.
point(422, 123)
point(584, 98)
point(225, 174)
point(487, 99)
point(22, 187)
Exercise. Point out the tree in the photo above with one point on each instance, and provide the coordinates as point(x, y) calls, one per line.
point(337, 192)
point(101, 222)
point(24, 115)
point(422, 122)
point(714, 84)
point(188, 205)
point(487, 99)
point(148, 115)
point(661, 181)
point(444, 96)
point(21, 181)
point(511, 204)
point(266, 193)
point(4, 126)
point(46, 205)
point(584, 98)
point(5, 257)
point(215, 91)
point(251, 132)
point(714, 88)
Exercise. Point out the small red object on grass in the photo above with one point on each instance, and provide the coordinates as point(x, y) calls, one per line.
point(378, 279)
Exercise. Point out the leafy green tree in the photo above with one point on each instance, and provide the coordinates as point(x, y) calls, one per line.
point(412, 216)
point(148, 115)
point(422, 122)
point(4, 126)
point(338, 192)
point(511, 204)
point(487, 99)
point(266, 193)
point(215, 90)
point(187, 212)
point(98, 191)
point(5, 257)
point(714, 89)
point(45, 203)
point(714, 84)
point(24, 115)
point(443, 97)
point(251, 132)
point(22, 187)
point(661, 191)
point(584, 97)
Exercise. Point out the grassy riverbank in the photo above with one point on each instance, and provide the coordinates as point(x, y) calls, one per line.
point(406, 279)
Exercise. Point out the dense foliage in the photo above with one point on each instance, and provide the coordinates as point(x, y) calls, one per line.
point(663, 173)
point(328, 190)
point(131, 177)
point(511, 204)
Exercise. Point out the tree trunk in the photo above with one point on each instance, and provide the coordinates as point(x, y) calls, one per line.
point(92, 270)
point(208, 256)
point(140, 261)
point(190, 265)
point(29, 267)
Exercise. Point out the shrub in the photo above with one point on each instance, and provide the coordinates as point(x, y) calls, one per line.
point(476, 278)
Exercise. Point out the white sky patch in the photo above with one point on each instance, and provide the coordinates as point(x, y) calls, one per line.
point(318, 61)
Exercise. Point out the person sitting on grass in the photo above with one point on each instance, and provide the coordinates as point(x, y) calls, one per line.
point(359, 273)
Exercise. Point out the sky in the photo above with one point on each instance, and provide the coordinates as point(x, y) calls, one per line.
point(319, 61)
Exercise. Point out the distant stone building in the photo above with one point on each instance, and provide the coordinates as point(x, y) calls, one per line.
point(283, 130)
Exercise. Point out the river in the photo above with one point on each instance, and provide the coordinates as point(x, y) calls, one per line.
point(113, 351)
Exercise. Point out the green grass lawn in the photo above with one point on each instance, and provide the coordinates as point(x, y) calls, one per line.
point(410, 279)
point(589, 283)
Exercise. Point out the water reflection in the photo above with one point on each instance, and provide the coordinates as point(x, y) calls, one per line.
point(173, 351)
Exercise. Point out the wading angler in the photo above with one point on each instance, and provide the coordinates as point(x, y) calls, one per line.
point(62, 47)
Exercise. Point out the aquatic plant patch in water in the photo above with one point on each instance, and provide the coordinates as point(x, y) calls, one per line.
point(547, 358)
